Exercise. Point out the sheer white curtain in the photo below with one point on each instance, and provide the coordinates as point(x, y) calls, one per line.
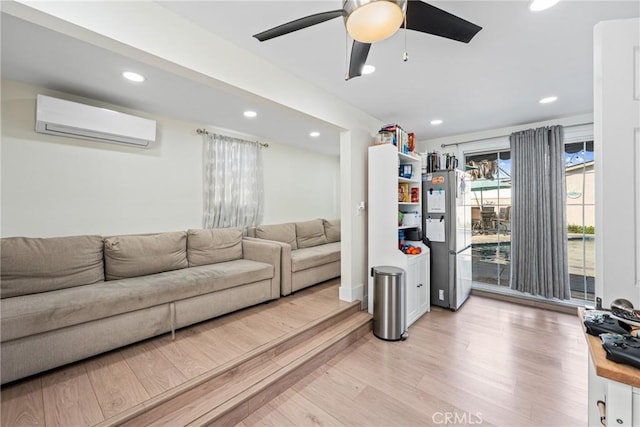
point(539, 261)
point(233, 182)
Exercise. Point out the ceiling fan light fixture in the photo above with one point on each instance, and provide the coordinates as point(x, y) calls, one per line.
point(369, 21)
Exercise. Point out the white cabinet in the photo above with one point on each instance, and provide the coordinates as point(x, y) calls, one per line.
point(417, 287)
point(384, 203)
point(622, 401)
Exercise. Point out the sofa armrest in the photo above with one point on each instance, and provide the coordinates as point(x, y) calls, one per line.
point(267, 252)
point(285, 263)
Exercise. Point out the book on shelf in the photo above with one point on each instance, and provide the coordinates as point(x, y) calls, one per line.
point(398, 137)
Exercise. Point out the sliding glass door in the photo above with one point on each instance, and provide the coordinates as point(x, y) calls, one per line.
point(491, 217)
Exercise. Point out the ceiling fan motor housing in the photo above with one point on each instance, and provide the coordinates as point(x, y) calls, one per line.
point(369, 21)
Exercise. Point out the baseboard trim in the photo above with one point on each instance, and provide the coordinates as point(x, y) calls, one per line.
point(531, 301)
point(352, 293)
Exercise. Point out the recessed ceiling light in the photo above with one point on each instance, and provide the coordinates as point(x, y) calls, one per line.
point(134, 77)
point(538, 5)
point(250, 114)
point(436, 122)
point(368, 69)
point(548, 99)
point(314, 134)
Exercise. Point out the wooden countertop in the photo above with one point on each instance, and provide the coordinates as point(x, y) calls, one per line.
point(605, 368)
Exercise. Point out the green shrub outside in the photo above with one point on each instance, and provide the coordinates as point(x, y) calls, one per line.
point(589, 229)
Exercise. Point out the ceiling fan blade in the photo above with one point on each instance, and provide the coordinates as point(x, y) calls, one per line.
point(298, 24)
point(429, 19)
point(359, 53)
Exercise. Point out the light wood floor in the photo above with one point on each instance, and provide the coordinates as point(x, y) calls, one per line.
point(491, 363)
point(90, 391)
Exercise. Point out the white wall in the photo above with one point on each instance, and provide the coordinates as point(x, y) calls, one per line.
point(577, 129)
point(53, 186)
point(300, 185)
point(353, 165)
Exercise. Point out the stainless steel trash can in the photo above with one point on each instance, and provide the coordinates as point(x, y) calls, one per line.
point(389, 296)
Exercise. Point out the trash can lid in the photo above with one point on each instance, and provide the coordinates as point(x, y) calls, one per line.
point(387, 270)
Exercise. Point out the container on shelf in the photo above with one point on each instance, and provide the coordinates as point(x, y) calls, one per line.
point(413, 235)
point(403, 192)
point(411, 219)
point(401, 239)
point(415, 195)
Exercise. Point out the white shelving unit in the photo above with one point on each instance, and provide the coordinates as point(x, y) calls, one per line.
point(384, 205)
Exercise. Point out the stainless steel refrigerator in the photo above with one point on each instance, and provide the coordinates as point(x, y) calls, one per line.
point(446, 224)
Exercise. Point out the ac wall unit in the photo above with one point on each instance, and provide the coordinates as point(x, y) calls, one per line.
point(74, 120)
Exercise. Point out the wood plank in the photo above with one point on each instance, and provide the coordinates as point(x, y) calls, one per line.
point(22, 404)
point(605, 368)
point(114, 383)
point(69, 399)
point(267, 416)
point(291, 409)
point(155, 372)
point(184, 355)
point(216, 342)
point(184, 409)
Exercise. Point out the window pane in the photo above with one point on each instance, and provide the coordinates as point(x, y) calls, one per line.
point(580, 185)
point(490, 175)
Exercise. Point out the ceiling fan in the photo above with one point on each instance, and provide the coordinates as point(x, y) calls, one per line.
point(369, 21)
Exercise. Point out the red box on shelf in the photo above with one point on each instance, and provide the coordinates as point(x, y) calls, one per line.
point(415, 195)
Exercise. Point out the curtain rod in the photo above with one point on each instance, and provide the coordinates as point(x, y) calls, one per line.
point(499, 136)
point(201, 131)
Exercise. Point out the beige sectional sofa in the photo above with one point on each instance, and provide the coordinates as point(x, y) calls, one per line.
point(310, 251)
point(66, 298)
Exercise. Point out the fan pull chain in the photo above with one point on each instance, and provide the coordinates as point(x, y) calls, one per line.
point(405, 55)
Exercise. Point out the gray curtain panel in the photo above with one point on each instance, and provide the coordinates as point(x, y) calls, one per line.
point(539, 262)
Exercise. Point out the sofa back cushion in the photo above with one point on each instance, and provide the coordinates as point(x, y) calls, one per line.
point(285, 233)
point(212, 246)
point(33, 265)
point(310, 233)
point(332, 230)
point(139, 255)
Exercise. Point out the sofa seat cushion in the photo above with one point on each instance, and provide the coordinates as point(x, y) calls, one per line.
point(32, 265)
point(32, 314)
point(314, 256)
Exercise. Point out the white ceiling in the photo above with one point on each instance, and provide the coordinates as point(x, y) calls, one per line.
point(494, 81)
